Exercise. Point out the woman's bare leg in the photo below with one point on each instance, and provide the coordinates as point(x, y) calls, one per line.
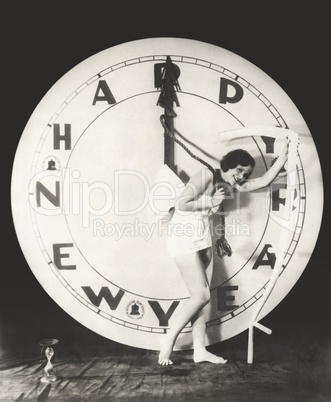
point(200, 354)
point(193, 272)
point(199, 321)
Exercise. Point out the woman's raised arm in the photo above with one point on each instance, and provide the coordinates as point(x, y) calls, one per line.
point(270, 175)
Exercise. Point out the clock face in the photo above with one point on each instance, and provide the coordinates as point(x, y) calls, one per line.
point(86, 185)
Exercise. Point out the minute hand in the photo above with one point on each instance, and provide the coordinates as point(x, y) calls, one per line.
point(166, 77)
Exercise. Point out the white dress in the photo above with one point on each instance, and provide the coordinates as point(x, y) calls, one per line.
point(188, 232)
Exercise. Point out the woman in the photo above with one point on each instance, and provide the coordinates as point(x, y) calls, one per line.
point(192, 252)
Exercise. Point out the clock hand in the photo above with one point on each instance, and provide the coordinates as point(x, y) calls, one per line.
point(169, 84)
point(167, 81)
point(169, 87)
point(171, 135)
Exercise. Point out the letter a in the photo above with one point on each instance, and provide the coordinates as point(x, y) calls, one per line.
point(106, 94)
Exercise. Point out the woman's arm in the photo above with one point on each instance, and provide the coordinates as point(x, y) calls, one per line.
point(268, 177)
point(193, 199)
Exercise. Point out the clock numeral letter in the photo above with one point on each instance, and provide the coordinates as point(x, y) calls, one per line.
point(52, 198)
point(58, 256)
point(224, 98)
point(160, 314)
point(66, 137)
point(276, 199)
point(269, 142)
point(269, 260)
point(106, 294)
point(223, 298)
point(106, 96)
point(160, 70)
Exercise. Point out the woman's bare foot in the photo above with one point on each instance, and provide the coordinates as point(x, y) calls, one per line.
point(166, 346)
point(202, 355)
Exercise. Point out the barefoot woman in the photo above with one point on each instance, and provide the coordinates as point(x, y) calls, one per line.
point(192, 252)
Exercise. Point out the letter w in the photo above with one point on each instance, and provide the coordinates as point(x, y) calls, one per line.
point(104, 293)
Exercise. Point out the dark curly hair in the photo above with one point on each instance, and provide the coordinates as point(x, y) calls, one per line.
point(237, 157)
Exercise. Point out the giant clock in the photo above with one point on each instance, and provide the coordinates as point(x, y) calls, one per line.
point(86, 183)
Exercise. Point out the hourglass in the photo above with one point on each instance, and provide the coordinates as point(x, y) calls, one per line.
point(48, 371)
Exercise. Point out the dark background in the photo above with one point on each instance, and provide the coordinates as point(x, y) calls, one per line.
point(41, 41)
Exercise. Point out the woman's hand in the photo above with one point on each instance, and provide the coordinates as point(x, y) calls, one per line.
point(218, 197)
point(293, 139)
point(284, 154)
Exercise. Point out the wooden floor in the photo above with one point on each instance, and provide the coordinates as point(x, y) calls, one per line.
point(293, 364)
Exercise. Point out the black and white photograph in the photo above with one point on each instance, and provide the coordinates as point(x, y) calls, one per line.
point(166, 205)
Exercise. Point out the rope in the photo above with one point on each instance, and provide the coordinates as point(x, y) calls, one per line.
point(222, 247)
point(172, 136)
